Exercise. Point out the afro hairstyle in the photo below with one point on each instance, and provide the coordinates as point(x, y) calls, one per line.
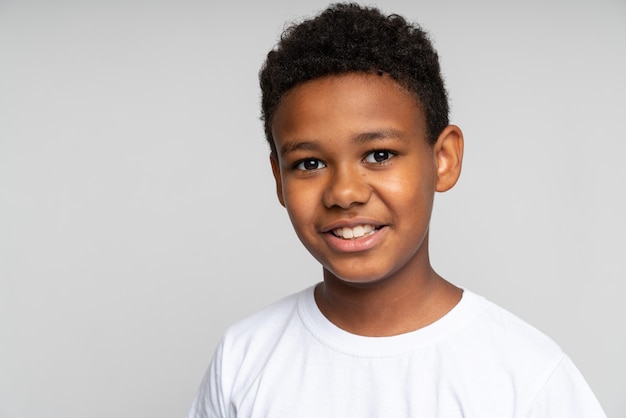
point(347, 38)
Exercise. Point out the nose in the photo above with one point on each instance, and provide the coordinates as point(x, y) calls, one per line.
point(347, 187)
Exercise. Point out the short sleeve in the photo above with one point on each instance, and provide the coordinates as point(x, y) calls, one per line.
point(566, 394)
point(209, 401)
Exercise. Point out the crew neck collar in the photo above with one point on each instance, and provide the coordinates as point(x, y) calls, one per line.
point(340, 340)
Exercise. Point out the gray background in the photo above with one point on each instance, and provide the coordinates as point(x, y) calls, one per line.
point(137, 211)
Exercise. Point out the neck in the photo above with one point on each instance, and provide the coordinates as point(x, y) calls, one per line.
point(388, 307)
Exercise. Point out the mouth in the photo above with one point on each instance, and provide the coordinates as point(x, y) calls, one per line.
point(358, 231)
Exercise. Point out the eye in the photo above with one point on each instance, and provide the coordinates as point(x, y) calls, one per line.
point(379, 156)
point(309, 164)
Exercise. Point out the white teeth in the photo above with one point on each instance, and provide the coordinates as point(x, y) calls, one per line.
point(356, 232)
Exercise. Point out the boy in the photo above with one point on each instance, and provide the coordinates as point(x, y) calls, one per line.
point(356, 115)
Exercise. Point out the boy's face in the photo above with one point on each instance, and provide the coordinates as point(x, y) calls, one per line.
point(357, 176)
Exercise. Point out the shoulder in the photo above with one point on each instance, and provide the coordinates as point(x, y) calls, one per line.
point(508, 350)
point(554, 386)
point(507, 331)
point(504, 346)
point(265, 326)
point(241, 355)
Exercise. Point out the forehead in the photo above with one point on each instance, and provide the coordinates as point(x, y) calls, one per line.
point(353, 102)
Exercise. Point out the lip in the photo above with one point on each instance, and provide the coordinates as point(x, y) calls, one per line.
point(356, 244)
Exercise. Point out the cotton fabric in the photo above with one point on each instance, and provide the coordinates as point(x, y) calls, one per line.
point(477, 361)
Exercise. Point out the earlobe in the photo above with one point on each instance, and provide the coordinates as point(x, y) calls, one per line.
point(277, 178)
point(449, 156)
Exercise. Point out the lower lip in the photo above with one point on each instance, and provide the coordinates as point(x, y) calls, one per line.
point(355, 245)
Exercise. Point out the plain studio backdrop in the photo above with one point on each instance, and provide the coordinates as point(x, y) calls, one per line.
point(138, 216)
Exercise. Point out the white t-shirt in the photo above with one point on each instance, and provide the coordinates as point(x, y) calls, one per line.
point(477, 361)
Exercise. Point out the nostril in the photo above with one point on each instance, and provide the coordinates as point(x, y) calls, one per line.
point(346, 193)
point(346, 185)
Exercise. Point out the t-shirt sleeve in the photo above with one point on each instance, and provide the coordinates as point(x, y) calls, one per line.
point(566, 394)
point(209, 401)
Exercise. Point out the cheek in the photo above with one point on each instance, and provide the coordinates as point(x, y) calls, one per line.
point(299, 201)
point(409, 195)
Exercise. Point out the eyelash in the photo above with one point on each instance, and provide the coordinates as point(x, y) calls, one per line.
point(300, 165)
point(386, 154)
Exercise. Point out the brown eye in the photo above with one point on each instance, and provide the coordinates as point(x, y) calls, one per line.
point(379, 156)
point(310, 164)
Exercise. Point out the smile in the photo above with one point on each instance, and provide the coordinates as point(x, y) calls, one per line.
point(358, 231)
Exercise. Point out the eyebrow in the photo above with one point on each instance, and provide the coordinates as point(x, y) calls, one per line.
point(298, 146)
point(362, 138)
point(387, 133)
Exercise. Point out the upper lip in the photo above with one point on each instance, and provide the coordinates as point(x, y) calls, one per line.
point(350, 223)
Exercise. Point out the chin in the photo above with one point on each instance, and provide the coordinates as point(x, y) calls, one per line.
point(354, 279)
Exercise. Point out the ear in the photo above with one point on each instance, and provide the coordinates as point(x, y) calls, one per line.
point(277, 178)
point(449, 157)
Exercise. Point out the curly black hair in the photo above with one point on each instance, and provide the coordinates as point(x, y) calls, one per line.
point(351, 38)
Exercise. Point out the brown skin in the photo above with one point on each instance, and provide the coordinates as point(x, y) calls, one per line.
point(352, 150)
